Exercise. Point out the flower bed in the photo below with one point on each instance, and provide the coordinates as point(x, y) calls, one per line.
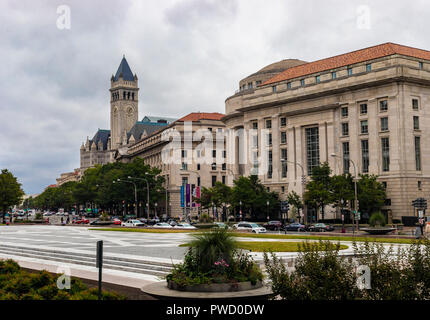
point(213, 258)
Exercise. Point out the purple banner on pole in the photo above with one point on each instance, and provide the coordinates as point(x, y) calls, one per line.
point(188, 195)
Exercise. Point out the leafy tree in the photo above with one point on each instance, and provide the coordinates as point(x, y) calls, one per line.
point(318, 189)
point(371, 194)
point(11, 193)
point(342, 190)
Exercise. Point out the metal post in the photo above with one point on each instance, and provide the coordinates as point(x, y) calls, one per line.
point(99, 264)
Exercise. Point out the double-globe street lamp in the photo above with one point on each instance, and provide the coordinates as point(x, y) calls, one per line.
point(147, 192)
point(303, 184)
point(135, 193)
point(355, 192)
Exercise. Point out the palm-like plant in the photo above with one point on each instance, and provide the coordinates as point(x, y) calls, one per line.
point(211, 246)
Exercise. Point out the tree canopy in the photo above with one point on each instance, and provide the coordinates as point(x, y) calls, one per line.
point(11, 193)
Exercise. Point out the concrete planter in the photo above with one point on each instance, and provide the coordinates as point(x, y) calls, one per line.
point(216, 287)
point(376, 230)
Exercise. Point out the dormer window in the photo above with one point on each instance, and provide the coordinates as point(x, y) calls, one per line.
point(302, 82)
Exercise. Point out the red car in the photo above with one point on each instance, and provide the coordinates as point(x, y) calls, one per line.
point(116, 221)
point(82, 221)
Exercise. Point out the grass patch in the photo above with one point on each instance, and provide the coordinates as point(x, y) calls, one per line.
point(336, 238)
point(142, 230)
point(259, 246)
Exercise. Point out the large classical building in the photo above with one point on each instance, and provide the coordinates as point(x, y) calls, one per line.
point(185, 162)
point(369, 106)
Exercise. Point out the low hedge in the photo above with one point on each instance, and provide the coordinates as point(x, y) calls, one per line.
point(17, 284)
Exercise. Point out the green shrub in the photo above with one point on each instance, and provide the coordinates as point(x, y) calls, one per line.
point(38, 216)
point(17, 284)
point(377, 219)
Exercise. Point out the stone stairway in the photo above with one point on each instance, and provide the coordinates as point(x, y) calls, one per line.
point(109, 262)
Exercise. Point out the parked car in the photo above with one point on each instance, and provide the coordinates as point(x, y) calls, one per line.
point(251, 227)
point(162, 225)
point(172, 222)
point(184, 225)
point(295, 227)
point(320, 227)
point(81, 221)
point(116, 221)
point(273, 225)
point(132, 223)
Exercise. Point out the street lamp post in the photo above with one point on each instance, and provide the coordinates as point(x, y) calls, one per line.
point(303, 184)
point(268, 217)
point(355, 194)
point(147, 193)
point(240, 211)
point(135, 193)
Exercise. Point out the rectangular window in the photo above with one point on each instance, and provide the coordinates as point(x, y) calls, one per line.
point(345, 129)
point(255, 141)
point(368, 67)
point(254, 163)
point(250, 85)
point(289, 85)
point(273, 89)
point(184, 166)
point(364, 127)
point(344, 112)
point(421, 65)
point(184, 153)
point(213, 166)
point(416, 123)
point(269, 139)
point(213, 181)
point(415, 105)
point(184, 181)
point(283, 189)
point(312, 148)
point(224, 166)
point(420, 185)
point(384, 124)
point(224, 154)
point(317, 79)
point(418, 153)
point(198, 181)
point(268, 124)
point(345, 153)
point(363, 108)
point(283, 137)
point(365, 155)
point(258, 82)
point(255, 125)
point(270, 169)
point(302, 82)
point(349, 70)
point(284, 162)
point(283, 122)
point(223, 179)
point(383, 105)
point(333, 75)
point(385, 146)
point(214, 153)
point(198, 166)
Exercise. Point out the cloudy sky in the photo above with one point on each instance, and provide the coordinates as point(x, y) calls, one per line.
point(188, 54)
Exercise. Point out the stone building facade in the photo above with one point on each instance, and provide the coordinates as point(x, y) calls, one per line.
point(370, 106)
point(183, 163)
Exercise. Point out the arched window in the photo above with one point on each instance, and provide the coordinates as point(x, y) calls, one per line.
point(128, 95)
point(132, 96)
point(123, 95)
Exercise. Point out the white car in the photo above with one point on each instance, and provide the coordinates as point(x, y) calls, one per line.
point(132, 223)
point(251, 227)
point(162, 225)
point(185, 226)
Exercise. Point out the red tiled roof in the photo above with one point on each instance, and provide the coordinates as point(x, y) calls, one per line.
point(379, 51)
point(197, 116)
point(52, 186)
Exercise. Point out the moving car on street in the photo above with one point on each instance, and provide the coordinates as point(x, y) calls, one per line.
point(132, 223)
point(250, 227)
point(162, 225)
point(295, 227)
point(274, 225)
point(81, 221)
point(320, 227)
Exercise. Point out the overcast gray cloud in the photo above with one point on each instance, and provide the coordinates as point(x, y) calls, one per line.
point(189, 56)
